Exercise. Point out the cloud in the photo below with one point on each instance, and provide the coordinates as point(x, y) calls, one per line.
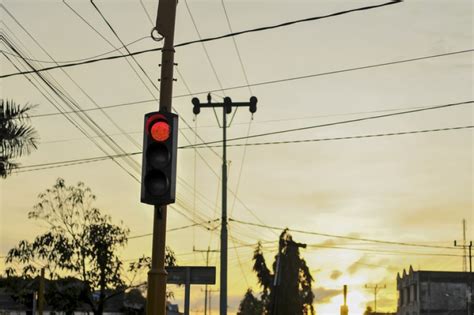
point(357, 265)
point(335, 274)
point(365, 262)
point(323, 295)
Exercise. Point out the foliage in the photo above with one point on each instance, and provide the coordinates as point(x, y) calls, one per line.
point(78, 252)
point(292, 293)
point(250, 305)
point(17, 137)
point(81, 242)
point(368, 310)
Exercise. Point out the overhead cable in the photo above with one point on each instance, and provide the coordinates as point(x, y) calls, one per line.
point(335, 123)
point(388, 134)
point(282, 80)
point(176, 229)
point(259, 29)
point(347, 237)
point(37, 167)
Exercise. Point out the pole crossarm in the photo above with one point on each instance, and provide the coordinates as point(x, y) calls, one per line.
point(226, 105)
point(376, 289)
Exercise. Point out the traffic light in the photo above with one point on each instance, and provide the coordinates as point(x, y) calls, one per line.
point(160, 144)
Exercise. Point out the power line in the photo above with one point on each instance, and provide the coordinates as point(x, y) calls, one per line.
point(259, 29)
point(28, 168)
point(313, 140)
point(69, 102)
point(342, 138)
point(177, 229)
point(341, 236)
point(372, 251)
point(261, 83)
point(128, 51)
point(78, 60)
point(337, 123)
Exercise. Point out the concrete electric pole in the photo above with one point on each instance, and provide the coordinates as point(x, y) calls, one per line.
point(226, 109)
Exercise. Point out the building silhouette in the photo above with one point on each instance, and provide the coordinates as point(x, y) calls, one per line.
point(432, 292)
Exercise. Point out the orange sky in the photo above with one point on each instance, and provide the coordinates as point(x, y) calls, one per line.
point(412, 188)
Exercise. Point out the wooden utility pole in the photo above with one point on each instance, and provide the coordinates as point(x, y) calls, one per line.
point(156, 295)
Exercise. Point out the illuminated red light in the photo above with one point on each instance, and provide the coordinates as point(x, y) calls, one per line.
point(160, 131)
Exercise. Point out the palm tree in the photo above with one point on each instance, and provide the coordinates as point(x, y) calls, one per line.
point(17, 136)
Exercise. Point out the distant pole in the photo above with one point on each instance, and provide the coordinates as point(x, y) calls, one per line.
point(376, 289)
point(469, 281)
point(470, 277)
point(344, 308)
point(207, 251)
point(156, 294)
point(465, 245)
point(210, 300)
point(41, 293)
point(187, 291)
point(33, 306)
point(276, 280)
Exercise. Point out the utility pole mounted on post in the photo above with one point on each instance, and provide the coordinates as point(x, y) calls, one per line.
point(226, 109)
point(277, 277)
point(158, 186)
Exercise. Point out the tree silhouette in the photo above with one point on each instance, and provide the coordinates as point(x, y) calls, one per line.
point(17, 137)
point(250, 305)
point(288, 290)
point(81, 242)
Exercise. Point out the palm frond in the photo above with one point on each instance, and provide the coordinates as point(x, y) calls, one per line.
point(6, 167)
point(9, 110)
point(17, 136)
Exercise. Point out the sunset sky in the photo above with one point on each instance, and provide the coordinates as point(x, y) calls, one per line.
point(412, 188)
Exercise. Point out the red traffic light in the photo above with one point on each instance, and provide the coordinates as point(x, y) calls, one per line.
point(160, 131)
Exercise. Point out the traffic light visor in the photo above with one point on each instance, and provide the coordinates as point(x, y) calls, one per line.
point(160, 131)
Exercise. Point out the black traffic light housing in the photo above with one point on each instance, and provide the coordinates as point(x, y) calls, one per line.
point(160, 144)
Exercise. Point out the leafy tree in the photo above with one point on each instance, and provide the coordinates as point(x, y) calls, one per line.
point(250, 305)
point(292, 294)
point(368, 311)
point(17, 137)
point(81, 242)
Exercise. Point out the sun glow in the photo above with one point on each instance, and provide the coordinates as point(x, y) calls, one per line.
point(356, 301)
